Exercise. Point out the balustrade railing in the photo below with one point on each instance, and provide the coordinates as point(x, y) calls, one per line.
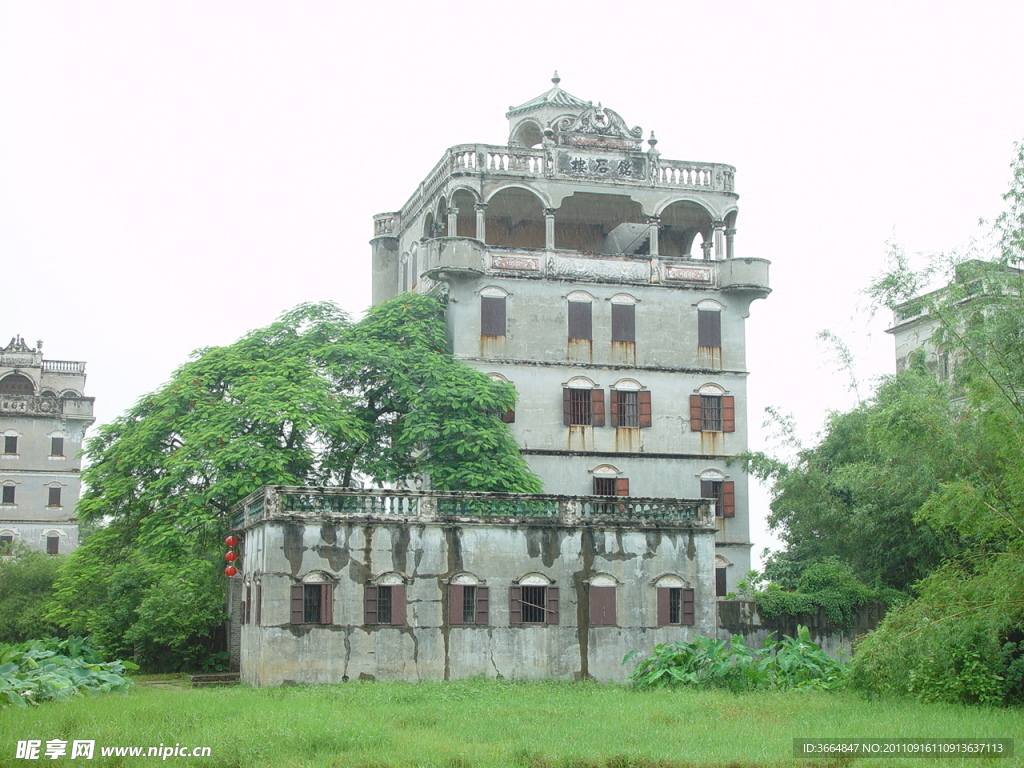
point(63, 366)
point(273, 501)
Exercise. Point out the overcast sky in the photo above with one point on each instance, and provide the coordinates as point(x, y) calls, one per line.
point(175, 174)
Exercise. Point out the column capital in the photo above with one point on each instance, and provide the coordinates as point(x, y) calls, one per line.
point(480, 206)
point(550, 211)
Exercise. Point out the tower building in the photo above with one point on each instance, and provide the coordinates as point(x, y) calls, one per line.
point(602, 280)
point(43, 417)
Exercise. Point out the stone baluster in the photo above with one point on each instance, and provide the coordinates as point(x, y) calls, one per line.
point(549, 228)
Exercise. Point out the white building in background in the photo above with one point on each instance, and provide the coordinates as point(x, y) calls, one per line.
point(44, 414)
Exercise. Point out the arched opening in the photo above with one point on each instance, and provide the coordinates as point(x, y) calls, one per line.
point(16, 384)
point(527, 134)
point(428, 226)
point(515, 218)
point(610, 224)
point(464, 202)
point(441, 218)
point(681, 223)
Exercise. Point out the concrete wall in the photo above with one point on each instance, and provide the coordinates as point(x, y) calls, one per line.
point(427, 555)
point(741, 617)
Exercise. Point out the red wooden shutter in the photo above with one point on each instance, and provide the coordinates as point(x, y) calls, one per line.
point(729, 499)
point(729, 414)
point(602, 606)
point(566, 406)
point(663, 609)
point(622, 486)
point(597, 407)
point(398, 605)
point(614, 407)
point(551, 617)
point(297, 607)
point(696, 411)
point(326, 603)
point(687, 608)
point(646, 414)
point(515, 605)
point(259, 603)
point(482, 606)
point(456, 595)
point(370, 605)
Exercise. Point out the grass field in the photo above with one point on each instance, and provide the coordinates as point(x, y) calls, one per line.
point(490, 723)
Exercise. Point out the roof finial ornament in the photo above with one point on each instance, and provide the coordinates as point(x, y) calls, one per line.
point(652, 141)
point(556, 79)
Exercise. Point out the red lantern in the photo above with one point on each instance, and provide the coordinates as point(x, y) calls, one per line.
point(231, 556)
point(231, 541)
point(230, 570)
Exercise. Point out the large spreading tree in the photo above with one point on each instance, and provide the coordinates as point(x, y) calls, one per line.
point(311, 399)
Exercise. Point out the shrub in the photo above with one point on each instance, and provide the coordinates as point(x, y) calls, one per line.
point(26, 583)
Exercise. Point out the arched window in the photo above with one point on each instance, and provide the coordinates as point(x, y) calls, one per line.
point(714, 486)
point(581, 316)
point(468, 601)
point(711, 410)
point(533, 599)
point(608, 481)
point(384, 601)
point(709, 324)
point(631, 405)
point(16, 384)
point(601, 594)
point(675, 601)
point(582, 403)
point(312, 601)
point(492, 311)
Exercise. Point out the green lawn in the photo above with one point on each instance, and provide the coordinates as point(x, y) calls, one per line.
point(490, 723)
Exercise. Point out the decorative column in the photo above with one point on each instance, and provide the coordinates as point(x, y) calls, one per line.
point(706, 247)
point(730, 245)
point(453, 221)
point(481, 232)
point(549, 228)
point(653, 222)
point(719, 240)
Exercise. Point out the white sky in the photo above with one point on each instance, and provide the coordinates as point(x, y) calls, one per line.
point(175, 174)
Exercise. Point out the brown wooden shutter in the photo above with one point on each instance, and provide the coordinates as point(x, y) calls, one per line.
point(566, 406)
point(509, 416)
point(515, 605)
point(720, 582)
point(580, 320)
point(686, 608)
point(259, 604)
point(624, 322)
point(551, 616)
point(456, 596)
point(597, 407)
point(709, 328)
point(602, 606)
point(370, 605)
point(646, 414)
point(297, 604)
point(729, 499)
point(614, 407)
point(57, 446)
point(696, 412)
point(482, 605)
point(728, 413)
point(622, 486)
point(247, 604)
point(326, 603)
point(398, 605)
point(492, 316)
point(663, 606)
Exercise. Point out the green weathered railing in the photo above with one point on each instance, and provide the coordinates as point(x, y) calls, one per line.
point(503, 505)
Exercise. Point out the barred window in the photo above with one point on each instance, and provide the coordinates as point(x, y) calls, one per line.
point(533, 605)
point(10, 444)
point(628, 402)
point(580, 410)
point(711, 413)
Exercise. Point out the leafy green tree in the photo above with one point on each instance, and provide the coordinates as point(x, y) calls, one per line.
point(311, 399)
point(26, 579)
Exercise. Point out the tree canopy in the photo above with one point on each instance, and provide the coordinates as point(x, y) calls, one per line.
point(313, 398)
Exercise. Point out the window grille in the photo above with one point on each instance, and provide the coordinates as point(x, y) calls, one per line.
point(629, 408)
point(469, 604)
point(533, 605)
point(675, 605)
point(711, 413)
point(604, 486)
point(312, 603)
point(384, 604)
point(580, 409)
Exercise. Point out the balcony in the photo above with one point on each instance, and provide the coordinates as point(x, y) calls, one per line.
point(302, 503)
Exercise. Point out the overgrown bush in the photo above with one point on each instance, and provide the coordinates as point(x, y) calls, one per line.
point(26, 581)
point(705, 662)
point(53, 669)
point(831, 585)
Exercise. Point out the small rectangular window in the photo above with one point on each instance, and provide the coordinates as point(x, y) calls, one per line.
point(711, 413)
point(54, 497)
point(6, 543)
point(10, 444)
point(709, 328)
point(492, 315)
point(467, 604)
point(724, 494)
point(675, 606)
point(8, 494)
point(624, 322)
point(310, 604)
point(720, 582)
point(580, 320)
point(384, 605)
point(628, 402)
point(580, 410)
point(604, 486)
point(56, 446)
point(53, 545)
point(533, 605)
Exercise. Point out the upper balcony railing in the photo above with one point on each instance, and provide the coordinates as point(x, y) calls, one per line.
point(289, 502)
point(574, 163)
point(63, 366)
